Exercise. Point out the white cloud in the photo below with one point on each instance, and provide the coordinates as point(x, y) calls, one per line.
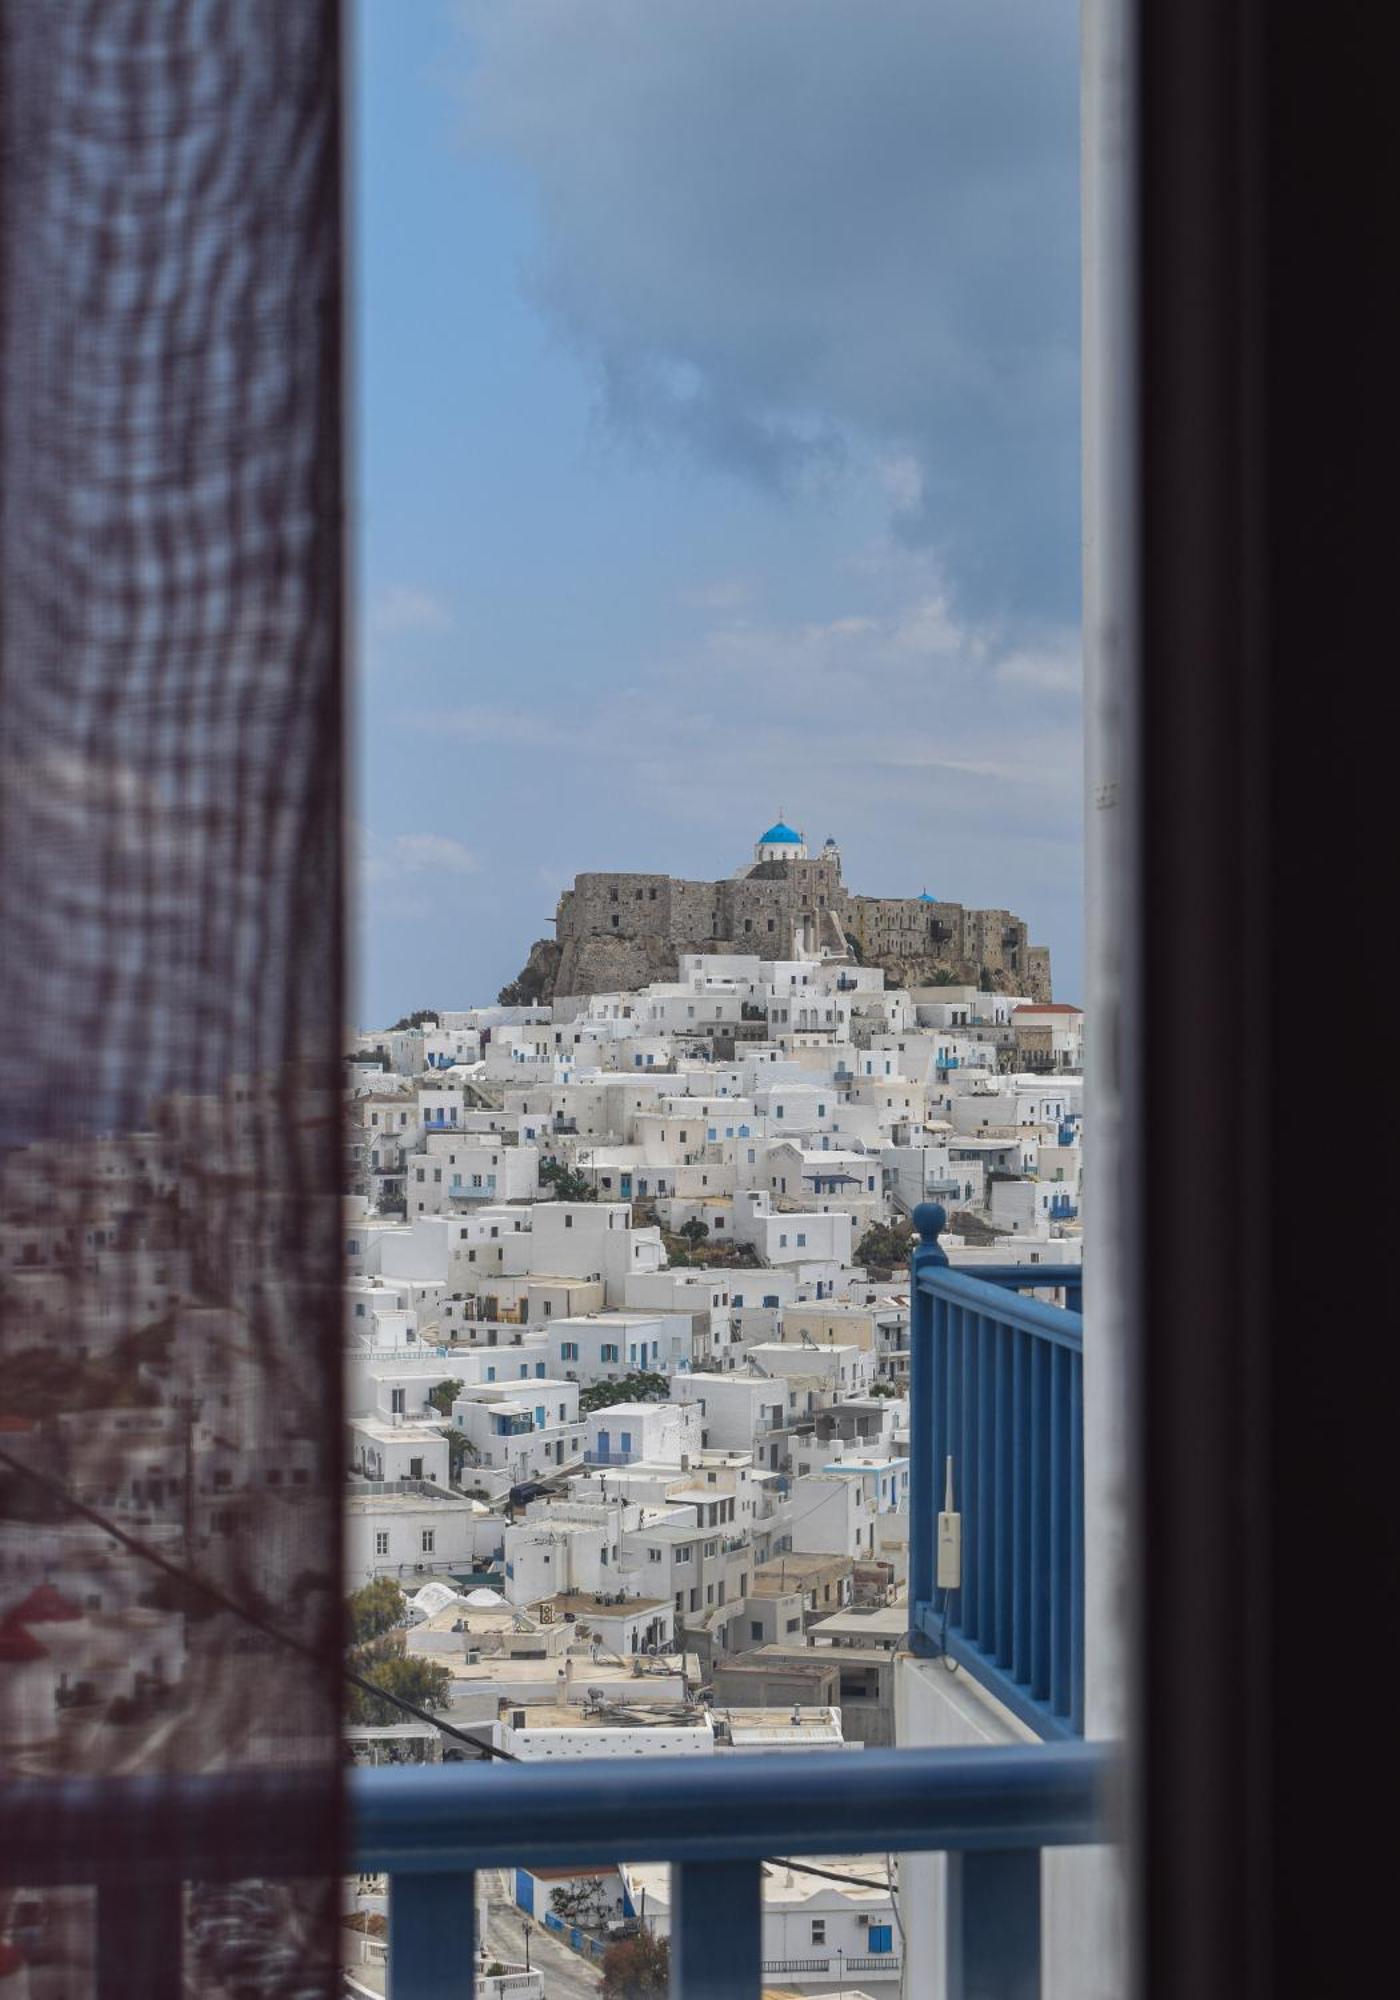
point(403, 856)
point(406, 607)
point(798, 236)
point(418, 851)
point(1057, 670)
point(902, 478)
point(896, 706)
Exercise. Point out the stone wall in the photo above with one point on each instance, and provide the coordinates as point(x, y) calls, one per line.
point(621, 931)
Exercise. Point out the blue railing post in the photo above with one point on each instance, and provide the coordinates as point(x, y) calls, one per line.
point(993, 1925)
point(930, 1220)
point(716, 1930)
point(139, 1940)
point(432, 1935)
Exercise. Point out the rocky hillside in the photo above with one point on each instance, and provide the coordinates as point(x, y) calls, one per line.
point(623, 965)
point(534, 984)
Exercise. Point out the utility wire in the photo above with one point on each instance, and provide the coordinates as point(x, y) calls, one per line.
point(827, 1874)
point(212, 1592)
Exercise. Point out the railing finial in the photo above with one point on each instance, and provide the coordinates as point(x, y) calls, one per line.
point(930, 1219)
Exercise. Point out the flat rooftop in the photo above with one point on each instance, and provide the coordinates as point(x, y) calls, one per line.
point(762, 1661)
point(639, 1712)
point(864, 1880)
point(584, 1604)
point(882, 1621)
point(386, 1432)
point(792, 1571)
point(374, 1496)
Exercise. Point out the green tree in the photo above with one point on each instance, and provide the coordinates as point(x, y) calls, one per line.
point(695, 1231)
point(374, 1610)
point(885, 1244)
point(637, 1968)
point(444, 1396)
point(459, 1449)
point(418, 1019)
point(638, 1386)
point(566, 1183)
point(426, 1683)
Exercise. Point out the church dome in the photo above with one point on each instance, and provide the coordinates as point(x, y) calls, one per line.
point(780, 835)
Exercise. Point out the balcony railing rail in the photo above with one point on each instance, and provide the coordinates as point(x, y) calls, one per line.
point(137, 1840)
point(997, 1387)
point(1066, 1278)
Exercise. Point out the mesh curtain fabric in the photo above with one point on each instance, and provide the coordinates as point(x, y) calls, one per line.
point(171, 571)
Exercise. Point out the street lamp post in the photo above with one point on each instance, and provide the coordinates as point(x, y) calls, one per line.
point(525, 1927)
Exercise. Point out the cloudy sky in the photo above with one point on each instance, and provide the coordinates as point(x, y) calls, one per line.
point(717, 458)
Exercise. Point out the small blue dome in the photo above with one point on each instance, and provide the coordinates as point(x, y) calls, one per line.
point(780, 836)
point(924, 897)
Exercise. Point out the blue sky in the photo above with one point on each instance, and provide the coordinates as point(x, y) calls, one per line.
point(717, 457)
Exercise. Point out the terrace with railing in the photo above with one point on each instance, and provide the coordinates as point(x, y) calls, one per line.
point(429, 1829)
point(997, 1412)
point(996, 1394)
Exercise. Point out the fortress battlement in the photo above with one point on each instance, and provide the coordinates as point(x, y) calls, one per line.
point(617, 932)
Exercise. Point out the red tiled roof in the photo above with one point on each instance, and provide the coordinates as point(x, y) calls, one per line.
point(1048, 1007)
point(18, 1645)
point(44, 1606)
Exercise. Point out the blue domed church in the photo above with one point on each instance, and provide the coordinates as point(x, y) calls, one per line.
point(780, 843)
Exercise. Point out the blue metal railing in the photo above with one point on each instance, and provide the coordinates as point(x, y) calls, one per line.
point(429, 1829)
point(1066, 1279)
point(997, 1386)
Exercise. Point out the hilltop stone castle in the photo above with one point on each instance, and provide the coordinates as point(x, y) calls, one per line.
point(619, 932)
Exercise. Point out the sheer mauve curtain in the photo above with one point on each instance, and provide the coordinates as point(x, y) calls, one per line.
point(171, 573)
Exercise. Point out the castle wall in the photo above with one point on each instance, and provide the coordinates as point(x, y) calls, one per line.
point(628, 906)
point(903, 927)
point(695, 915)
point(619, 931)
point(760, 916)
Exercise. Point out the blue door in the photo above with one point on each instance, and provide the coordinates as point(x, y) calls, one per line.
point(604, 1441)
point(525, 1890)
point(881, 1938)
